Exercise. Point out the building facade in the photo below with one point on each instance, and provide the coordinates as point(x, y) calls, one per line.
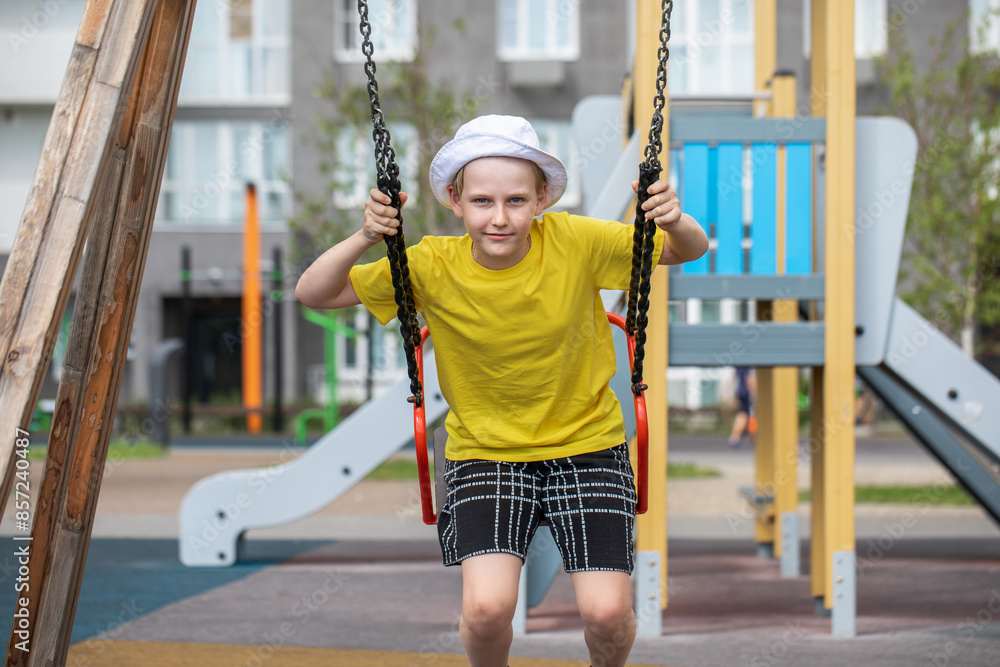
point(248, 110)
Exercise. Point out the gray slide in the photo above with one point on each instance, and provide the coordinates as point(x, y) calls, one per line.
point(948, 401)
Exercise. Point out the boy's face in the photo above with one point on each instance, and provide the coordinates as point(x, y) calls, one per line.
point(499, 200)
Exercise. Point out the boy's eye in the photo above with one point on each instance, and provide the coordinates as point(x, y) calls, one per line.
point(516, 200)
point(480, 200)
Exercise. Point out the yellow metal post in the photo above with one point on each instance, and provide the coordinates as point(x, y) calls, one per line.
point(765, 49)
point(765, 62)
point(784, 380)
point(652, 526)
point(819, 571)
point(836, 430)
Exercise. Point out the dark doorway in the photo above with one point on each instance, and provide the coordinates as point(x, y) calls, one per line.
point(216, 354)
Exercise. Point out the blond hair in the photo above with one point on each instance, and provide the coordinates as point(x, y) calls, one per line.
point(459, 181)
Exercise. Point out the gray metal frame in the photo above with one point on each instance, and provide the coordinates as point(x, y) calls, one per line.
point(683, 286)
point(968, 468)
point(746, 130)
point(932, 366)
point(790, 562)
point(648, 599)
point(747, 344)
point(843, 617)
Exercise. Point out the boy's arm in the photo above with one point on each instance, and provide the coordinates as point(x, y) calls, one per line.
point(686, 241)
point(327, 283)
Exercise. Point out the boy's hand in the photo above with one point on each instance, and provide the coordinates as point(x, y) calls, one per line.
point(380, 216)
point(662, 206)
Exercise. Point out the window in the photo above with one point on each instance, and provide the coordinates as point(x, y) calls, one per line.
point(710, 311)
point(350, 352)
point(870, 28)
point(538, 29)
point(394, 30)
point(675, 312)
point(984, 26)
point(239, 50)
point(711, 47)
point(556, 137)
point(709, 392)
point(355, 172)
point(209, 165)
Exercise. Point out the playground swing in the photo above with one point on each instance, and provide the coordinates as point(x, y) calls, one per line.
point(634, 324)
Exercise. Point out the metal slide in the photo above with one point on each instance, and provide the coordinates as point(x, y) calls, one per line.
point(219, 509)
point(947, 400)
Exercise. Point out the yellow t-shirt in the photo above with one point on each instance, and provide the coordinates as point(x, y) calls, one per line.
point(524, 355)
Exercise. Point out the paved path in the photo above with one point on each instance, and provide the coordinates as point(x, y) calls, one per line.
point(360, 583)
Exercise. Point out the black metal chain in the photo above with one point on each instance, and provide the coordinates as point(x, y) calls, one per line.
point(387, 178)
point(645, 230)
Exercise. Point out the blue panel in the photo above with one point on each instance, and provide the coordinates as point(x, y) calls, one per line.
point(713, 187)
point(694, 195)
point(763, 228)
point(729, 226)
point(798, 204)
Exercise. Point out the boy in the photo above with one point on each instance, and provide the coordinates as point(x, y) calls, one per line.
point(524, 356)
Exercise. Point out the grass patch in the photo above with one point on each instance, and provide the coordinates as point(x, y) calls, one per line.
point(119, 449)
point(690, 471)
point(396, 469)
point(403, 469)
point(907, 495)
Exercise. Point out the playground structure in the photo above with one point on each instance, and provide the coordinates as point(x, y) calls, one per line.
point(788, 262)
point(98, 181)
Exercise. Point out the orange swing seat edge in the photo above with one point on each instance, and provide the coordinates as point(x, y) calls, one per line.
point(420, 432)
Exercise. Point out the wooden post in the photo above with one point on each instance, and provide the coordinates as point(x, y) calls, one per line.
point(834, 445)
point(116, 254)
point(785, 379)
point(50, 238)
point(819, 572)
point(652, 526)
point(765, 408)
point(765, 22)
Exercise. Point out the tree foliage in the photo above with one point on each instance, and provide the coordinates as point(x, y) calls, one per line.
point(429, 110)
point(950, 255)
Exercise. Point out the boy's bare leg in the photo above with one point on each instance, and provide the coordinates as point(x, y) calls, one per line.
point(489, 595)
point(605, 602)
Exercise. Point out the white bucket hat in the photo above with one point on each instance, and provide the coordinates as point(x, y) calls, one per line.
point(494, 136)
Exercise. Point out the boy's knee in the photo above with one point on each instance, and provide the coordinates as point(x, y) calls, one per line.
point(608, 617)
point(486, 617)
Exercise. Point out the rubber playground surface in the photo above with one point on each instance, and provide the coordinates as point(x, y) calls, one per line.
point(362, 584)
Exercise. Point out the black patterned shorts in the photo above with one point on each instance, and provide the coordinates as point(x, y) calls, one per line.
point(588, 500)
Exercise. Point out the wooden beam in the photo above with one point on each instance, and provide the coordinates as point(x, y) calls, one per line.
point(765, 24)
point(116, 253)
point(652, 526)
point(834, 91)
point(782, 381)
point(50, 238)
point(838, 394)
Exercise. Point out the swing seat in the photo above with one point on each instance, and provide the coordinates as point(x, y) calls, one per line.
point(427, 505)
